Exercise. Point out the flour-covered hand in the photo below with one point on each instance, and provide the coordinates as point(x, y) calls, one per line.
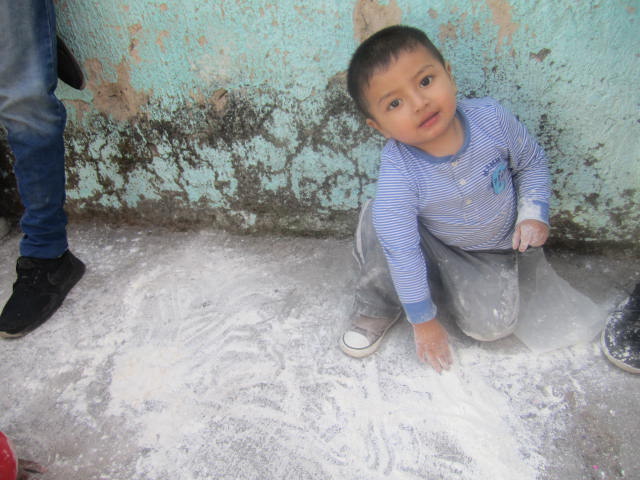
point(530, 233)
point(432, 344)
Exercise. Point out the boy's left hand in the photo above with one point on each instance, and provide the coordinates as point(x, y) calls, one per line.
point(432, 344)
point(530, 233)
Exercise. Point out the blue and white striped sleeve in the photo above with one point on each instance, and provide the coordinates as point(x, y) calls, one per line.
point(530, 168)
point(395, 218)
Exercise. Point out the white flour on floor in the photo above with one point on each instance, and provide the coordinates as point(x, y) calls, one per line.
point(214, 360)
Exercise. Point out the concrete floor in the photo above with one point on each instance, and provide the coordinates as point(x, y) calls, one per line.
point(202, 355)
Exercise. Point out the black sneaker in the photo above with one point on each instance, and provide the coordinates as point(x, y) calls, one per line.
point(39, 290)
point(621, 336)
point(69, 70)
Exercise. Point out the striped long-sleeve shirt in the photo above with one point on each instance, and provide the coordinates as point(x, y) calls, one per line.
point(471, 200)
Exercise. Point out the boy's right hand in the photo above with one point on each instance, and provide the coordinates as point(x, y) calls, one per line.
point(432, 344)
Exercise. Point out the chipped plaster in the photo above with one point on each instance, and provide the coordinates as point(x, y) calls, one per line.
point(117, 99)
point(369, 16)
point(501, 13)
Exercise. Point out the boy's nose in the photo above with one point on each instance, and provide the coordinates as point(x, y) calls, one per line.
point(419, 101)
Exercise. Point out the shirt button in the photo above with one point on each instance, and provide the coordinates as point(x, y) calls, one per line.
point(468, 201)
point(462, 182)
point(454, 164)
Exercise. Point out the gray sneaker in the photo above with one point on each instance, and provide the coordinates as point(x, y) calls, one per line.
point(365, 335)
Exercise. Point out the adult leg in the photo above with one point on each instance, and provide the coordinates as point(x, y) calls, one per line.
point(35, 121)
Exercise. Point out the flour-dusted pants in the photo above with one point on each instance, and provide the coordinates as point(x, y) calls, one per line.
point(480, 289)
point(35, 120)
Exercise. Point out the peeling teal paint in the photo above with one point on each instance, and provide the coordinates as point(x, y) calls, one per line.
point(234, 113)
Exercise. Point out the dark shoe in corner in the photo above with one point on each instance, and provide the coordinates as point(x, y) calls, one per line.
point(621, 336)
point(69, 70)
point(39, 290)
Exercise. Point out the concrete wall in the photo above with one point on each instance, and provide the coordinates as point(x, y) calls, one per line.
point(233, 113)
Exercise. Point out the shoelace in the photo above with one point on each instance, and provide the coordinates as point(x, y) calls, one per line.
point(29, 275)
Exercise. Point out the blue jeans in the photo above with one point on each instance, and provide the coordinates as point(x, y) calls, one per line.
point(35, 120)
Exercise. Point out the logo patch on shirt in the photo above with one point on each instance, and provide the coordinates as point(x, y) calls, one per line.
point(490, 165)
point(499, 178)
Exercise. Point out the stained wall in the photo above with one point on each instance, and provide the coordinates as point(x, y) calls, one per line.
point(233, 113)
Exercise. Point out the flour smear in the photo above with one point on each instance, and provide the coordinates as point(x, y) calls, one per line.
point(200, 356)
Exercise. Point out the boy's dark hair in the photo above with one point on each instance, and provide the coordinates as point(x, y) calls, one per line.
point(377, 52)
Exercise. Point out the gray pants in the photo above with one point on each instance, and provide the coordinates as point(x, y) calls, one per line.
point(479, 289)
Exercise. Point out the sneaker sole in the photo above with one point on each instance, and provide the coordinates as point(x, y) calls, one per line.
point(618, 363)
point(74, 280)
point(366, 351)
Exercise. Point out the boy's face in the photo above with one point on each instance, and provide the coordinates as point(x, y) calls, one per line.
point(414, 101)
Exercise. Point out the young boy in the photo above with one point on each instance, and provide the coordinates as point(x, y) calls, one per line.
point(462, 186)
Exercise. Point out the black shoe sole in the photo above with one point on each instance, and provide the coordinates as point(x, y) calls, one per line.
point(616, 361)
point(626, 314)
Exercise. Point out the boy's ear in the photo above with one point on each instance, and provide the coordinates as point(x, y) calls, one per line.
point(447, 67)
point(373, 124)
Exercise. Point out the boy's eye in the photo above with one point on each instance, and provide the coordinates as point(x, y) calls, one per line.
point(394, 104)
point(425, 81)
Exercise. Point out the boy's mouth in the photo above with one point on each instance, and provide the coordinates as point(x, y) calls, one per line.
point(429, 120)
